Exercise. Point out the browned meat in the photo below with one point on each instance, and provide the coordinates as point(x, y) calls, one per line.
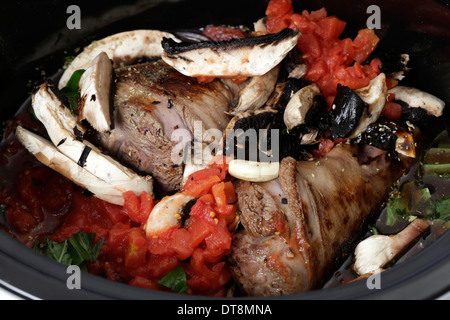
point(152, 100)
point(322, 205)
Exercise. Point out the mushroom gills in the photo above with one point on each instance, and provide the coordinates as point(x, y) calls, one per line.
point(249, 57)
point(168, 213)
point(249, 136)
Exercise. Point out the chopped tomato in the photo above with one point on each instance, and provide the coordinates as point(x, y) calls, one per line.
point(117, 240)
point(392, 110)
point(131, 205)
point(146, 206)
point(330, 28)
point(279, 7)
point(207, 198)
point(199, 229)
point(278, 23)
point(221, 33)
point(198, 188)
point(205, 79)
point(391, 82)
point(181, 243)
point(136, 255)
point(365, 42)
point(325, 146)
point(114, 212)
point(330, 60)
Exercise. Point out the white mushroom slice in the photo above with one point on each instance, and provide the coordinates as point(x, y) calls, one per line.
point(257, 92)
point(375, 252)
point(121, 47)
point(298, 72)
point(416, 98)
point(253, 170)
point(60, 123)
point(249, 57)
point(50, 156)
point(95, 90)
point(310, 137)
point(260, 26)
point(299, 105)
point(166, 214)
point(374, 95)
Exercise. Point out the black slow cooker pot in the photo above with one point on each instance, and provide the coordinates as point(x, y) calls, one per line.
point(35, 38)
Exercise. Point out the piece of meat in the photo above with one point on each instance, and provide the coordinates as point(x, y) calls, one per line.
point(323, 205)
point(152, 101)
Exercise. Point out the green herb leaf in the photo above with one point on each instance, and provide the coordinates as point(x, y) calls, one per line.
point(175, 280)
point(443, 208)
point(58, 252)
point(71, 89)
point(76, 250)
point(81, 247)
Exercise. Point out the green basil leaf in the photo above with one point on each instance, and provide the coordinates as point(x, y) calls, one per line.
point(71, 89)
point(58, 252)
point(76, 250)
point(175, 280)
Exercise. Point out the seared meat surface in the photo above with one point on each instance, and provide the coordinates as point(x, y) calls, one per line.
point(153, 100)
point(295, 227)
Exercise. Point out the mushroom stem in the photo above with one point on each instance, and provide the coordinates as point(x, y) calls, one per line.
point(375, 252)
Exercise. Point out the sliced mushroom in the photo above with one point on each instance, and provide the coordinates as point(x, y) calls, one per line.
point(60, 124)
point(300, 104)
point(167, 213)
point(375, 252)
point(50, 156)
point(415, 98)
point(124, 47)
point(249, 57)
point(248, 134)
point(96, 93)
point(253, 171)
point(257, 92)
point(374, 95)
point(354, 110)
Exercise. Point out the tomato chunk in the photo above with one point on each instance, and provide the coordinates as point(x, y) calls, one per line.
point(392, 110)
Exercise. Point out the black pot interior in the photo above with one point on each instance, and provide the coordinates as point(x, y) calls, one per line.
point(34, 40)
